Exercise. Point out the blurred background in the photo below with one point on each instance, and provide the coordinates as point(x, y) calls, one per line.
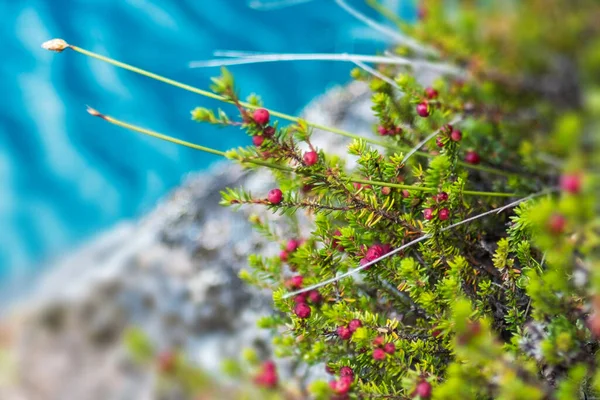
point(124, 301)
point(66, 176)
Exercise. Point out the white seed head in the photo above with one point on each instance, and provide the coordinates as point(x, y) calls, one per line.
point(93, 112)
point(57, 45)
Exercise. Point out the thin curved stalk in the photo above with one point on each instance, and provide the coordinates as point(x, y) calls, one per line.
point(276, 5)
point(273, 112)
point(171, 139)
point(391, 33)
point(237, 57)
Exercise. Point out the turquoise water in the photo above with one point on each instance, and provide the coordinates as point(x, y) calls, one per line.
point(66, 176)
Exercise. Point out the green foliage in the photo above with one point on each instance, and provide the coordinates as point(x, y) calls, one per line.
point(504, 306)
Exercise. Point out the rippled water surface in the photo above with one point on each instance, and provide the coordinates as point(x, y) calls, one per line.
point(66, 176)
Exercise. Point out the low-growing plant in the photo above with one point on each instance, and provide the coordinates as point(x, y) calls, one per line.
point(457, 258)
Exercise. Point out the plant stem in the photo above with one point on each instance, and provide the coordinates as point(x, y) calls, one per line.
point(272, 112)
point(180, 142)
point(194, 146)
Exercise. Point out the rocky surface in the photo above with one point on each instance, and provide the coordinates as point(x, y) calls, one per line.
point(173, 273)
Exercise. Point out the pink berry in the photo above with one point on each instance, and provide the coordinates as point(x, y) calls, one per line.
point(442, 196)
point(268, 375)
point(283, 255)
point(315, 297)
point(378, 341)
point(295, 282)
point(374, 252)
point(356, 185)
point(275, 196)
point(258, 140)
point(342, 385)
point(354, 325)
point(336, 242)
point(378, 354)
point(472, 157)
point(261, 116)
point(386, 190)
point(423, 390)
point(456, 135)
point(557, 224)
point(428, 214)
point(292, 245)
point(405, 193)
point(423, 109)
point(346, 371)
point(389, 348)
point(344, 333)
point(439, 142)
point(301, 298)
point(382, 130)
point(310, 158)
point(431, 93)
point(444, 214)
point(570, 183)
point(302, 310)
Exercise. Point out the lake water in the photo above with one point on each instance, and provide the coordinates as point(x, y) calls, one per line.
point(65, 176)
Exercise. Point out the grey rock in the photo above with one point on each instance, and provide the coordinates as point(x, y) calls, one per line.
point(174, 273)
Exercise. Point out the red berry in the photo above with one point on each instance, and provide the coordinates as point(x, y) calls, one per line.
point(310, 158)
point(283, 255)
point(268, 375)
point(344, 333)
point(428, 214)
point(258, 140)
point(315, 297)
point(439, 142)
point(302, 310)
point(472, 157)
point(378, 354)
point(301, 298)
point(570, 183)
point(292, 245)
point(378, 341)
point(405, 193)
point(431, 93)
point(356, 185)
point(343, 385)
point(557, 223)
point(389, 348)
point(269, 131)
point(382, 130)
point(436, 333)
point(261, 116)
point(444, 214)
point(374, 252)
point(275, 196)
point(456, 135)
point(442, 196)
point(295, 282)
point(386, 190)
point(423, 390)
point(335, 242)
point(354, 325)
point(346, 371)
point(423, 109)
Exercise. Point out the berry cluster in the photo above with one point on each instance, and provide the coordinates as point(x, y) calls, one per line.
point(345, 331)
point(343, 384)
point(382, 349)
point(443, 213)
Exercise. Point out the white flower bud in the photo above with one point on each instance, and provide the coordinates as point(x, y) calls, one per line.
point(57, 45)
